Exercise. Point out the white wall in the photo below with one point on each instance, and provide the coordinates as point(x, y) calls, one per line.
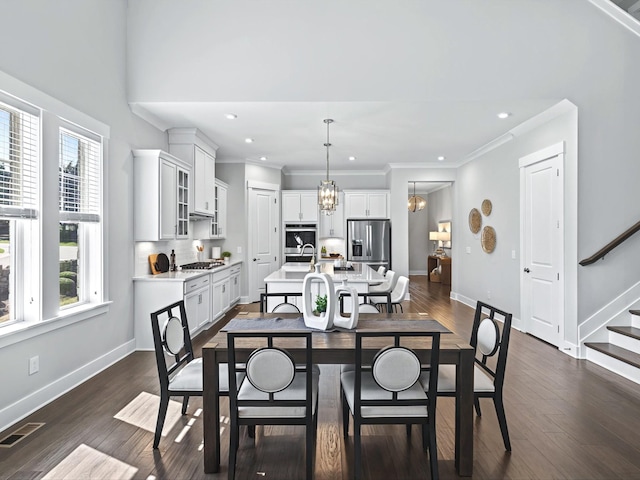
point(345, 181)
point(75, 52)
point(496, 176)
point(418, 240)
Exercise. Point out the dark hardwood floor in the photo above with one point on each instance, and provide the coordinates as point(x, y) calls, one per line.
point(567, 419)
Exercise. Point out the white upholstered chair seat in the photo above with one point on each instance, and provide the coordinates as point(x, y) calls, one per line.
point(371, 391)
point(189, 379)
point(295, 391)
point(447, 380)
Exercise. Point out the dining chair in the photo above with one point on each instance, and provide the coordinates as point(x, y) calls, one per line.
point(491, 342)
point(382, 270)
point(179, 371)
point(389, 392)
point(397, 295)
point(285, 307)
point(275, 391)
point(368, 308)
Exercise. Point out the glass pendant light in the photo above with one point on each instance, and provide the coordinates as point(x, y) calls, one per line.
point(416, 202)
point(327, 190)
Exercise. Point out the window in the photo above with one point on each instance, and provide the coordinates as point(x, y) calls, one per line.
point(19, 136)
point(51, 213)
point(79, 183)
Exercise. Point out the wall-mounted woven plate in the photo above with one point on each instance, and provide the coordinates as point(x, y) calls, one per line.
point(486, 207)
point(488, 239)
point(475, 220)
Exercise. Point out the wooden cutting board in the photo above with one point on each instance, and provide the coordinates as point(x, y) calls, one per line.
point(152, 263)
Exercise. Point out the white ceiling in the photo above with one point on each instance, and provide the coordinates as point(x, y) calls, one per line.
point(292, 134)
point(405, 82)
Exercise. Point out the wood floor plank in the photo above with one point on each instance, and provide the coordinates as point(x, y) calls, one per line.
point(568, 419)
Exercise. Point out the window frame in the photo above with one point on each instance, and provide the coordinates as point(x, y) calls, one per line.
point(41, 314)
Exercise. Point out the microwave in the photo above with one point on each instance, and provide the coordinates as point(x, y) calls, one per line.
point(296, 235)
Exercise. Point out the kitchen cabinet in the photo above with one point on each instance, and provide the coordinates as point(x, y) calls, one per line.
point(221, 294)
point(234, 283)
point(198, 151)
point(151, 293)
point(216, 226)
point(197, 301)
point(332, 226)
point(366, 204)
point(299, 206)
point(160, 196)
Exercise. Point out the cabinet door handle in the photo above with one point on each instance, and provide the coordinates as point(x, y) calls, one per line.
point(224, 289)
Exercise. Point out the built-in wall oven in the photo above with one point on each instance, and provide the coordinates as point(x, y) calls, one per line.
point(296, 235)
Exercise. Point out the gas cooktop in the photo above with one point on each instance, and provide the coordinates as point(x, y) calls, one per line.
point(202, 265)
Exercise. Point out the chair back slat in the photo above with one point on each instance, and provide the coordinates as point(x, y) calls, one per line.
point(394, 399)
point(166, 367)
point(486, 327)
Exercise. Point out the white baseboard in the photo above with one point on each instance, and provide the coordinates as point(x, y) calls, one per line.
point(470, 302)
point(15, 412)
point(418, 272)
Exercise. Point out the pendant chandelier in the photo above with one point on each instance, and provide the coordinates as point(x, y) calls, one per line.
point(327, 190)
point(416, 202)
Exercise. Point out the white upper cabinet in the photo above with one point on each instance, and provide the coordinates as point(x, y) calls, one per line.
point(196, 149)
point(332, 226)
point(216, 226)
point(161, 196)
point(299, 206)
point(367, 204)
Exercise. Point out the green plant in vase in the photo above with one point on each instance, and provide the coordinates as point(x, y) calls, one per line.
point(226, 256)
point(321, 304)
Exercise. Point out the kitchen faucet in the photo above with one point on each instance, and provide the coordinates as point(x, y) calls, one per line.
point(313, 250)
point(313, 254)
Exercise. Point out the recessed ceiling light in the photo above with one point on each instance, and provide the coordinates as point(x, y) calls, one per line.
point(263, 158)
point(231, 116)
point(352, 158)
point(441, 158)
point(248, 140)
point(503, 115)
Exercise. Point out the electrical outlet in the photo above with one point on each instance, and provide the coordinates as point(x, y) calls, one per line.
point(239, 250)
point(513, 254)
point(488, 294)
point(34, 365)
point(468, 249)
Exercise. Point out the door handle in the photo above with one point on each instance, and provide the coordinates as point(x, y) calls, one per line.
point(255, 259)
point(526, 270)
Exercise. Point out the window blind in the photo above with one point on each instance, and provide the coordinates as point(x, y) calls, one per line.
point(79, 177)
point(19, 150)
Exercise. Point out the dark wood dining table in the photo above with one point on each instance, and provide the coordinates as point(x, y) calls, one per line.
point(338, 347)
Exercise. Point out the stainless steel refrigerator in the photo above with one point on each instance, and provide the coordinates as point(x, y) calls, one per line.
point(369, 241)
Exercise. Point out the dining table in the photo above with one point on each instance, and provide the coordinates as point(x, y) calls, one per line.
point(337, 346)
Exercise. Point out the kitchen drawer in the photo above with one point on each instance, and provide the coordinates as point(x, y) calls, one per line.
point(235, 269)
point(196, 283)
point(221, 275)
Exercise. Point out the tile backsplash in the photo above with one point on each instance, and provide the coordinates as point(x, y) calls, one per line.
point(185, 251)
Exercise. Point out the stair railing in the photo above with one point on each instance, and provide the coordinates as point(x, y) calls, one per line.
point(610, 246)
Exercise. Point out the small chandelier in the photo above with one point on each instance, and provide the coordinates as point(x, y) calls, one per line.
point(416, 202)
point(327, 190)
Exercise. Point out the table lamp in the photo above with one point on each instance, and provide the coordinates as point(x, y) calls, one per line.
point(435, 237)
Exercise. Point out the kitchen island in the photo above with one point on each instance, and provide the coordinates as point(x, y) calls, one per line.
point(288, 281)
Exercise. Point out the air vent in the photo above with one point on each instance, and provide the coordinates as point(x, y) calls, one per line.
point(23, 432)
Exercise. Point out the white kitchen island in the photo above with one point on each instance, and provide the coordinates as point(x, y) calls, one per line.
point(288, 280)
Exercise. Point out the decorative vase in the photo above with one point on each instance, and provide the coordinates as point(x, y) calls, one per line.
point(324, 320)
point(351, 321)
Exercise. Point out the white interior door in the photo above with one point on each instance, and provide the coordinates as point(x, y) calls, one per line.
point(542, 285)
point(263, 239)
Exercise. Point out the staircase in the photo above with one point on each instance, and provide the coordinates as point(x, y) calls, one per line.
point(621, 354)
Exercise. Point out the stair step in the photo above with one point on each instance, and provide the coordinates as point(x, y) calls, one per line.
point(616, 352)
point(634, 312)
point(632, 332)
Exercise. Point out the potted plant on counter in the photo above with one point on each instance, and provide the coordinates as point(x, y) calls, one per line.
point(226, 256)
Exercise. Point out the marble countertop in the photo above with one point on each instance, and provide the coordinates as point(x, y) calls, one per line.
point(290, 272)
point(182, 275)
